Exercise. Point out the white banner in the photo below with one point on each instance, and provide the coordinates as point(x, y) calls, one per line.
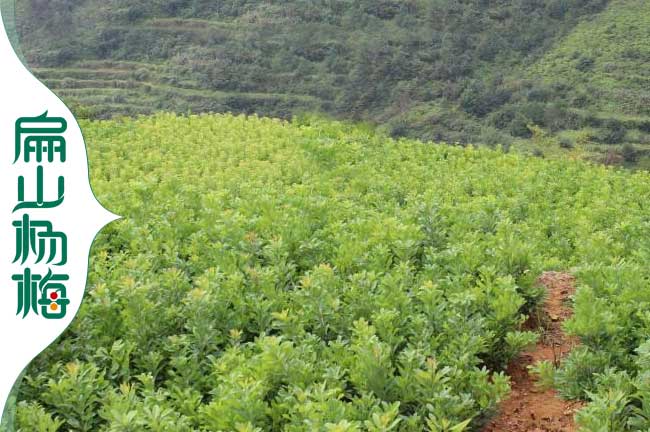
point(48, 217)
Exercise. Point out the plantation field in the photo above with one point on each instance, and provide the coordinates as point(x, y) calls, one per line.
point(315, 276)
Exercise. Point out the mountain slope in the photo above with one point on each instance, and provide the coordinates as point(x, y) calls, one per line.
point(430, 69)
point(608, 56)
point(537, 74)
point(603, 65)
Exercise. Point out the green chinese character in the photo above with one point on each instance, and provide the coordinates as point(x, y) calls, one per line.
point(40, 202)
point(33, 236)
point(43, 136)
point(47, 291)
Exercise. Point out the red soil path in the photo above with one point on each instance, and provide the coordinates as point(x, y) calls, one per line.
point(529, 409)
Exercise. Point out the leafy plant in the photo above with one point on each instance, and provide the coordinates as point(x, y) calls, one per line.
point(318, 276)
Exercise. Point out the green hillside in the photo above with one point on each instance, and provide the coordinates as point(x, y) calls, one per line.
point(607, 55)
point(604, 62)
point(313, 276)
point(454, 71)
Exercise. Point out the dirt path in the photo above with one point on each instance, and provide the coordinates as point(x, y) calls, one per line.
point(529, 409)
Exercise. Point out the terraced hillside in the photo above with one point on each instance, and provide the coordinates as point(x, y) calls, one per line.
point(435, 70)
point(107, 88)
point(468, 72)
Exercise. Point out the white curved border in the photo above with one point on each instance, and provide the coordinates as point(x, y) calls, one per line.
point(80, 216)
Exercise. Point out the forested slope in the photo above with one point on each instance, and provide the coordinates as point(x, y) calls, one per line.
point(459, 71)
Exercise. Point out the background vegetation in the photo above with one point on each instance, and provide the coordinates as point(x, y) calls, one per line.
point(471, 71)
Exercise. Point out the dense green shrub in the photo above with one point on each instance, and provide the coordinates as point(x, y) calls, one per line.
point(316, 276)
point(613, 132)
